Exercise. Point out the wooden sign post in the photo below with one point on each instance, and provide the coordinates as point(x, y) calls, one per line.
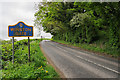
point(20, 30)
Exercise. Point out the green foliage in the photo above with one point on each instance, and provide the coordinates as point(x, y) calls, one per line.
point(85, 30)
point(22, 69)
point(82, 22)
point(53, 16)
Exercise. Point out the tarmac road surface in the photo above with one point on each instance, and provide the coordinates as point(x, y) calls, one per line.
point(75, 63)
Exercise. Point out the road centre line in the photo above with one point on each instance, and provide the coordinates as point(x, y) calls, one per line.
point(92, 62)
point(61, 49)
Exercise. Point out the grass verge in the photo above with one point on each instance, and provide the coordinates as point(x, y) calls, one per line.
point(22, 69)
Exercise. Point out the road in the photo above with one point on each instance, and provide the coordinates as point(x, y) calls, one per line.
point(75, 63)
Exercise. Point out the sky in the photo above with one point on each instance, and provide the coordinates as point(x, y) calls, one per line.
point(13, 11)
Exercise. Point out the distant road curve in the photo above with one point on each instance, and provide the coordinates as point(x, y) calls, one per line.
point(74, 63)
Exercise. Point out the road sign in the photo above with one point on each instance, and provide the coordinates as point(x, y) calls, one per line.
point(20, 30)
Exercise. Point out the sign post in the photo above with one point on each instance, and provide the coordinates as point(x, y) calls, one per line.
point(28, 49)
point(13, 50)
point(20, 30)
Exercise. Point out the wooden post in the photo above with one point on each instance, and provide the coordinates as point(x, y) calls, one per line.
point(28, 49)
point(13, 50)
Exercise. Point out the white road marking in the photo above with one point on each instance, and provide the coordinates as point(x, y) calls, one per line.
point(61, 49)
point(92, 62)
point(99, 65)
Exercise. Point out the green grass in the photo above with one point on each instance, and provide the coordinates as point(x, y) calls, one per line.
point(22, 69)
point(97, 47)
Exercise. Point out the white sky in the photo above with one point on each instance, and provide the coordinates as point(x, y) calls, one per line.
point(13, 11)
